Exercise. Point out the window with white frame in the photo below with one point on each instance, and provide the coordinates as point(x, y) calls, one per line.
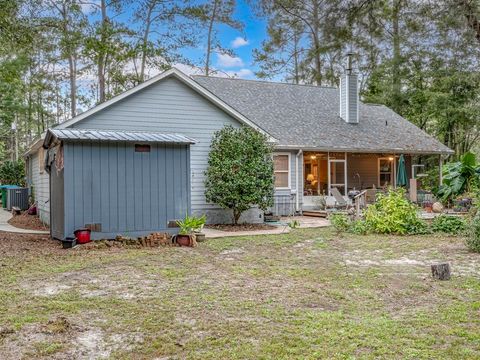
point(281, 167)
point(386, 171)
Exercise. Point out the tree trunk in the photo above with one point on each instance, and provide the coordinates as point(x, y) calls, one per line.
point(236, 216)
point(295, 58)
point(316, 45)
point(441, 271)
point(148, 23)
point(101, 54)
point(209, 37)
point(396, 81)
point(71, 63)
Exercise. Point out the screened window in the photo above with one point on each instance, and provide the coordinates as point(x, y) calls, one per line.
point(281, 163)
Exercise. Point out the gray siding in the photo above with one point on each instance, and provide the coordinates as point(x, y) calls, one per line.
point(343, 97)
point(171, 107)
point(127, 192)
point(39, 179)
point(349, 98)
point(293, 192)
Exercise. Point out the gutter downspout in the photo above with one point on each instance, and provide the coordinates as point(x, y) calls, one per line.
point(297, 197)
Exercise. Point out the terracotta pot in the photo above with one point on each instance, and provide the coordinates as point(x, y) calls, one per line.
point(184, 240)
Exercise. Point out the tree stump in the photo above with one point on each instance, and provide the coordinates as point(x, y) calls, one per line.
point(441, 271)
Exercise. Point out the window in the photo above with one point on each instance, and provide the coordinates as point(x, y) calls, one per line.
point(142, 148)
point(385, 171)
point(281, 167)
point(338, 176)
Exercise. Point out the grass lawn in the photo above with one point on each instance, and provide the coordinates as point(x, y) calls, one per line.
point(309, 294)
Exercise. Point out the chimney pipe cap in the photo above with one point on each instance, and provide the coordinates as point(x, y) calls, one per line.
point(349, 67)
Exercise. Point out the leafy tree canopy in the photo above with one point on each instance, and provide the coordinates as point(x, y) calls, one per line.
point(240, 170)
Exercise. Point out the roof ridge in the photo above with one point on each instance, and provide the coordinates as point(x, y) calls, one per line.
point(264, 81)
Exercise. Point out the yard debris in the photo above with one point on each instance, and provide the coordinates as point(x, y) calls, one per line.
point(57, 326)
point(153, 240)
point(26, 221)
point(4, 331)
point(441, 271)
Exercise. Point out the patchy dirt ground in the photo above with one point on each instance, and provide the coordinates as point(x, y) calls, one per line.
point(307, 294)
point(25, 221)
point(240, 227)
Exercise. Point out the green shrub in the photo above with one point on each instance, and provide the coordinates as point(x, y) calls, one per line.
point(473, 238)
point(448, 224)
point(339, 221)
point(358, 227)
point(393, 213)
point(240, 170)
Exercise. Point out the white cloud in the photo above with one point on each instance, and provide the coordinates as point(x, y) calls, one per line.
point(227, 61)
point(242, 74)
point(239, 42)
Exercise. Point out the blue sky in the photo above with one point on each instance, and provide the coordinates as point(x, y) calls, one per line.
point(241, 42)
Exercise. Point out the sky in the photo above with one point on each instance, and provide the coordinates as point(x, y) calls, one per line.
point(241, 42)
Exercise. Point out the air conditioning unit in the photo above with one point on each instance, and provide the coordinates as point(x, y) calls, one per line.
point(17, 198)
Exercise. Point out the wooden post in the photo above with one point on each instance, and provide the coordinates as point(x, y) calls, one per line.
point(413, 190)
point(441, 271)
point(440, 169)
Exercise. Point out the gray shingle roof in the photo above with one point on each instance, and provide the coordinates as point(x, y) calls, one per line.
point(111, 135)
point(301, 116)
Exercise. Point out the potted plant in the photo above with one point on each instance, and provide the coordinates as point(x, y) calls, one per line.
point(198, 224)
point(188, 226)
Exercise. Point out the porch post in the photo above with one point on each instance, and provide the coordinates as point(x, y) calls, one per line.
point(440, 169)
point(345, 173)
point(328, 174)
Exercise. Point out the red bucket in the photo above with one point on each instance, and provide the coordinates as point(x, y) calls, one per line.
point(82, 235)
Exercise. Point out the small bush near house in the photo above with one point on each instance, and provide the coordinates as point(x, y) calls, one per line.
point(358, 227)
point(340, 222)
point(448, 224)
point(12, 173)
point(473, 237)
point(393, 213)
point(240, 170)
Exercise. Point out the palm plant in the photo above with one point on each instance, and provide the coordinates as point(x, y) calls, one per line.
point(459, 177)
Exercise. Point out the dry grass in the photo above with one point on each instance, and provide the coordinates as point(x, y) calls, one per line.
point(307, 294)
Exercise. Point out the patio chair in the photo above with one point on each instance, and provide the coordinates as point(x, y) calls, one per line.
point(339, 200)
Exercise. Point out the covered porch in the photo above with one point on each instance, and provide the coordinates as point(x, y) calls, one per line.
point(325, 175)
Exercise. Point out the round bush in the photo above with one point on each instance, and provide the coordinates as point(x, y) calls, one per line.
point(393, 213)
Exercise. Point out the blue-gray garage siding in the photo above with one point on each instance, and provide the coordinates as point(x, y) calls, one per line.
point(127, 192)
point(170, 106)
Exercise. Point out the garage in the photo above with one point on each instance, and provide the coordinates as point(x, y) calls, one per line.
point(117, 182)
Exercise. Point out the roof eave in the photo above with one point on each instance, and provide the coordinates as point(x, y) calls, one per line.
point(367, 151)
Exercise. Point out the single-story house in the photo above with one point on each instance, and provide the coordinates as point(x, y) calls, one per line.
point(137, 162)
